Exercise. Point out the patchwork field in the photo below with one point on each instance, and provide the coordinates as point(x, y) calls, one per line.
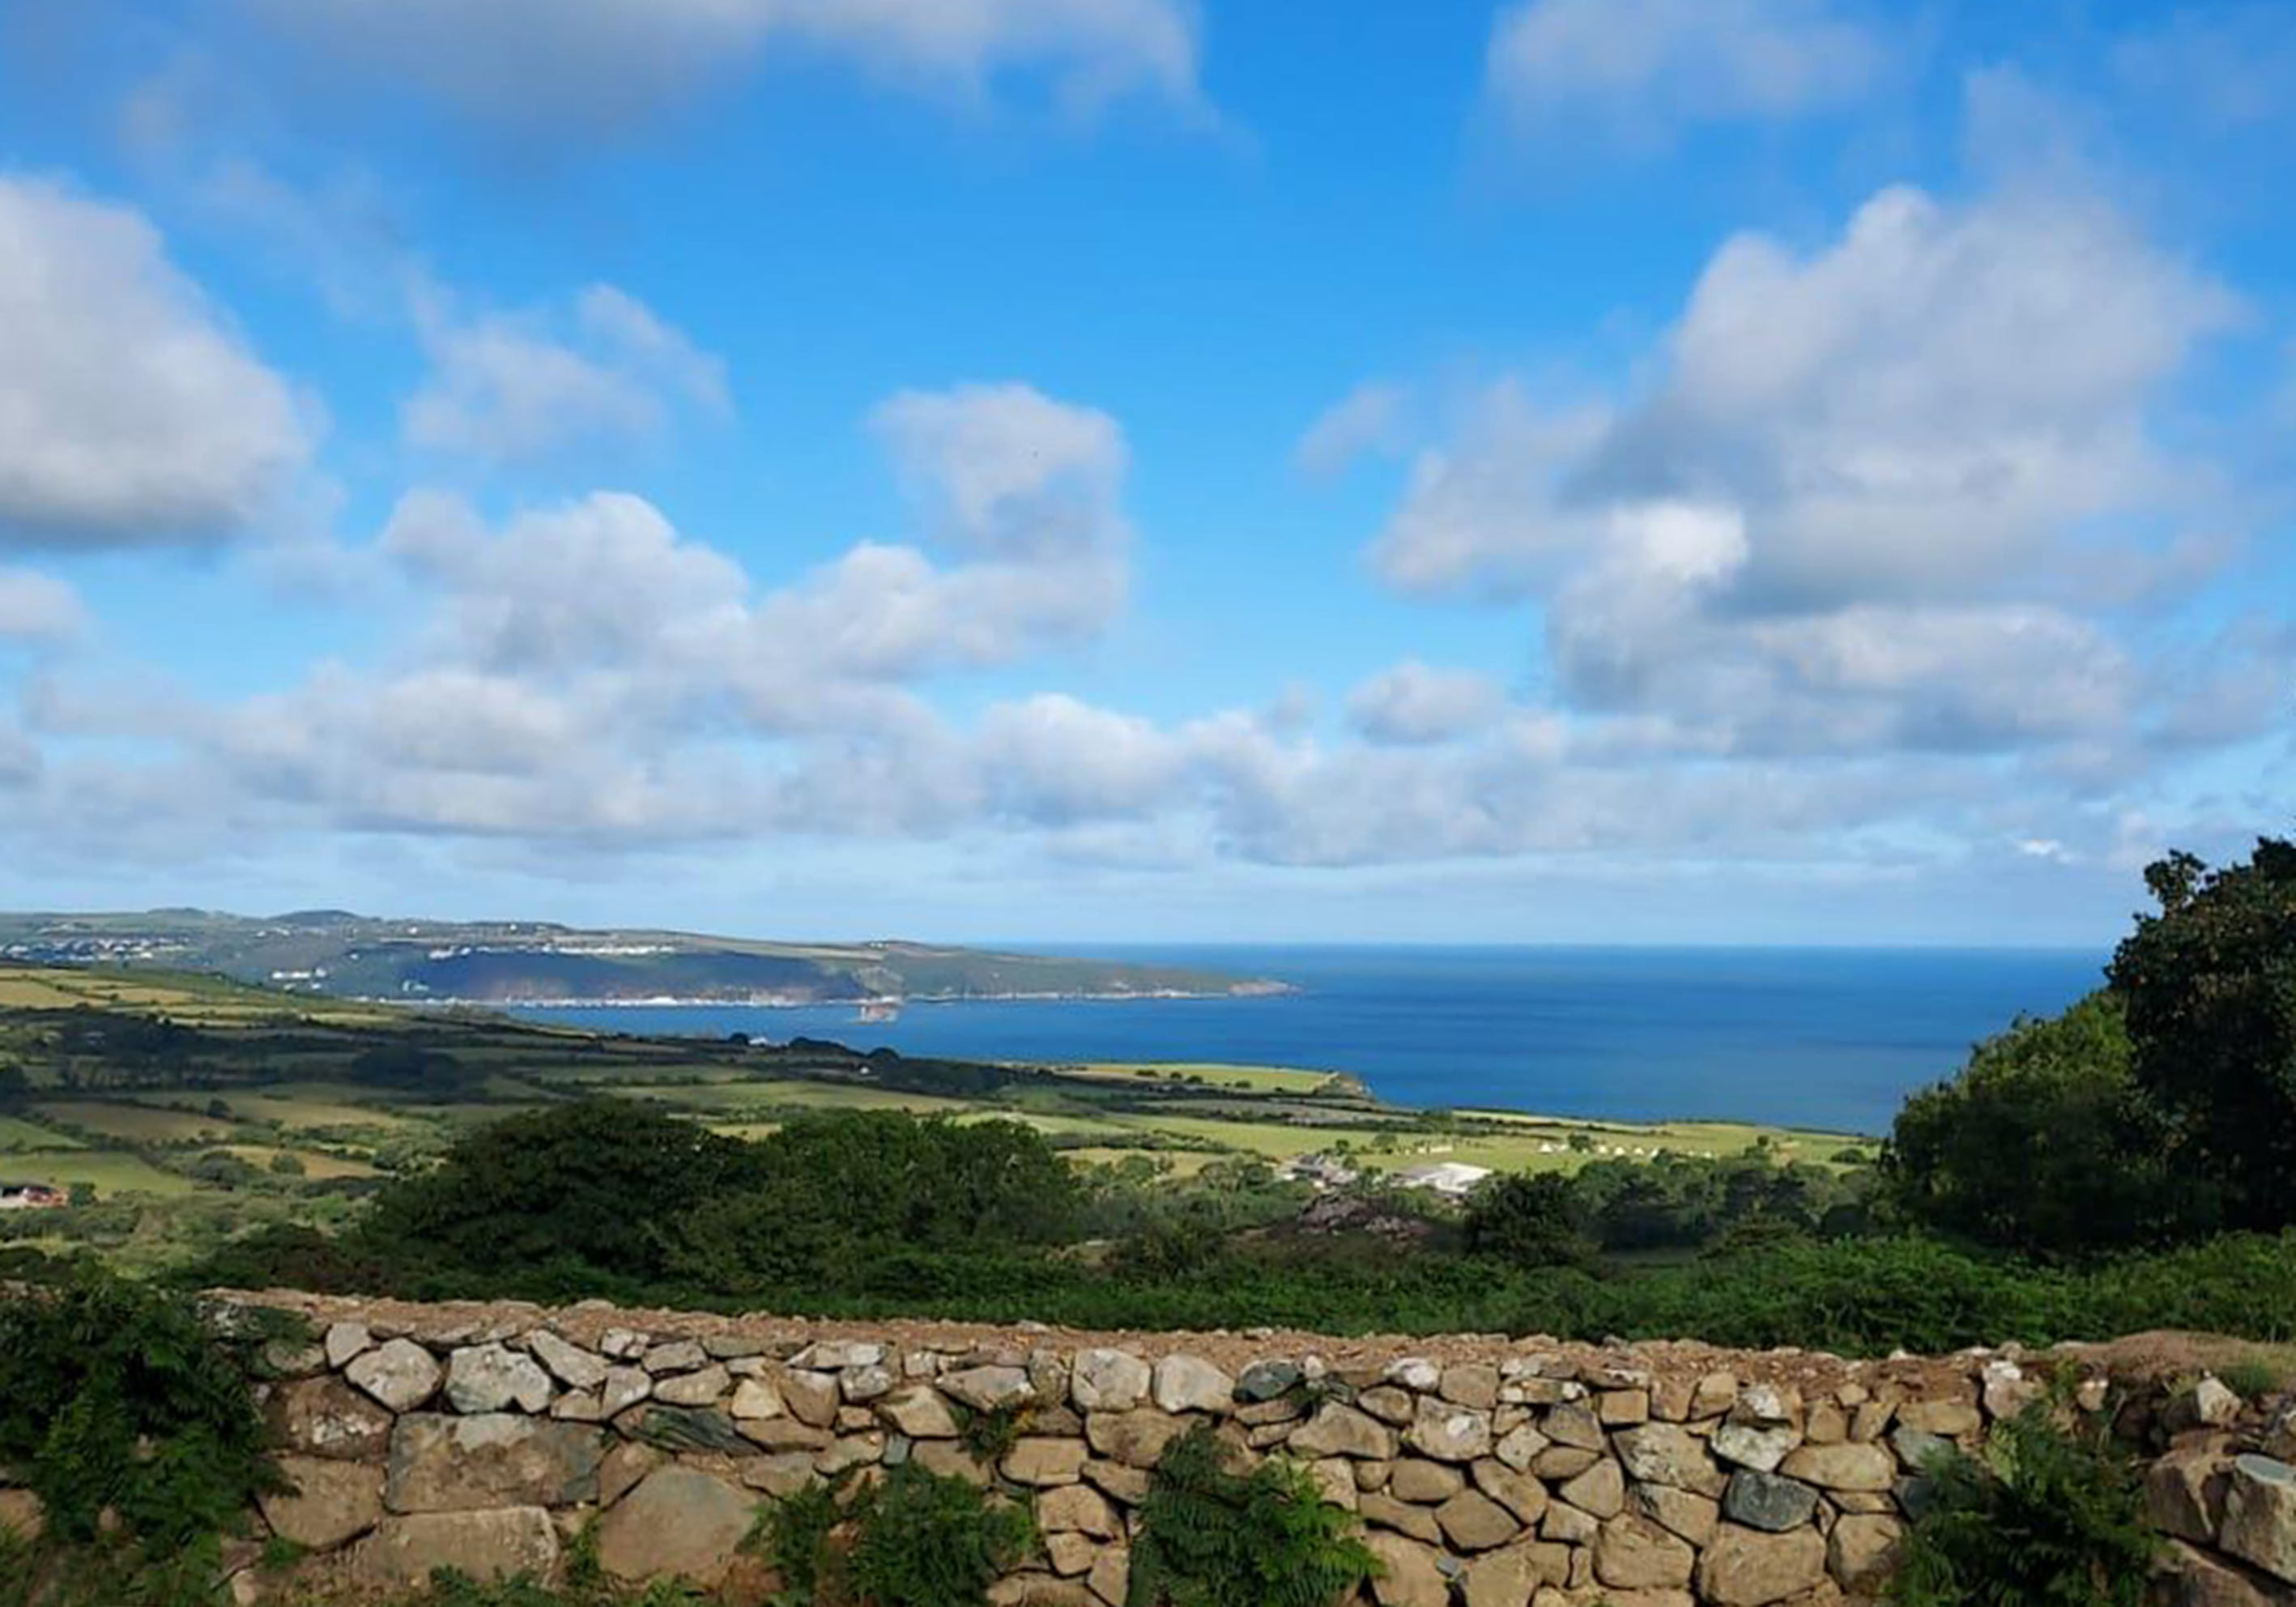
point(209, 1106)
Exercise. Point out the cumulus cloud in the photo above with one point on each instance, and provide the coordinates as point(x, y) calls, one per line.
point(132, 412)
point(1836, 520)
point(509, 388)
point(38, 609)
point(1644, 70)
point(1367, 419)
point(1414, 702)
point(617, 62)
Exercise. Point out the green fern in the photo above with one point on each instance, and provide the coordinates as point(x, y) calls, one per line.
point(2052, 1516)
point(911, 1539)
point(1211, 1537)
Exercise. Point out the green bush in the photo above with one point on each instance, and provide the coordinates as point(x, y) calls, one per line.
point(910, 1539)
point(1212, 1538)
point(2052, 1516)
point(121, 1399)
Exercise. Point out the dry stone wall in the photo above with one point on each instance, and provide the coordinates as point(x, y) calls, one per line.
point(1487, 1471)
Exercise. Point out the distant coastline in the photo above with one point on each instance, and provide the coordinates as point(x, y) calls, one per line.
point(1259, 989)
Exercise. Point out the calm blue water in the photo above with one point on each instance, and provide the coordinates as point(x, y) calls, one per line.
point(1815, 1038)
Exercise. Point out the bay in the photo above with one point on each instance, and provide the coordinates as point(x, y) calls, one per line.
point(1822, 1038)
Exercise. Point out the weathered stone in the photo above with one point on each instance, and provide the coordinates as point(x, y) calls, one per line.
point(677, 1524)
point(345, 1340)
point(1415, 1372)
point(811, 1398)
point(623, 1344)
point(494, 1378)
point(1510, 1576)
point(951, 1459)
point(1748, 1445)
point(1189, 1383)
point(755, 1399)
point(329, 1503)
point(440, 1464)
point(1861, 1549)
point(1038, 1590)
point(2193, 1578)
point(1128, 1485)
point(1768, 1501)
point(1474, 1521)
point(1660, 1453)
point(1078, 1508)
point(1069, 1553)
point(1574, 1423)
point(1560, 1462)
point(1747, 1568)
point(1111, 1575)
point(781, 1474)
point(851, 1451)
point(623, 1388)
point(1037, 1461)
point(834, 1355)
point(1470, 1384)
point(1717, 1393)
point(1382, 1511)
point(860, 1385)
point(1424, 1483)
point(1692, 1516)
point(2008, 1390)
point(1449, 1433)
point(1268, 1381)
point(702, 1387)
point(988, 1388)
point(698, 1429)
point(623, 1467)
point(326, 1417)
point(1520, 1446)
point(1764, 1403)
point(1388, 1404)
point(732, 1347)
point(495, 1544)
point(1600, 1490)
point(920, 1411)
point(1409, 1575)
point(1566, 1525)
point(1917, 1449)
point(579, 1405)
point(1846, 1467)
point(2184, 1492)
point(1953, 1419)
point(1108, 1381)
point(569, 1364)
point(677, 1356)
point(2260, 1520)
point(1340, 1431)
point(1520, 1493)
point(401, 1374)
point(1623, 1408)
point(1826, 1424)
point(22, 1513)
point(1334, 1476)
point(1634, 1553)
point(1136, 1438)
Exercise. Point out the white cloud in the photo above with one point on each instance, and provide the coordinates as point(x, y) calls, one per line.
point(1414, 702)
point(517, 387)
point(1837, 521)
point(1642, 71)
point(38, 608)
point(612, 63)
point(1007, 471)
point(131, 412)
point(1367, 419)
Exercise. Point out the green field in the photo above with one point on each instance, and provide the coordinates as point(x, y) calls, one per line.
point(355, 1092)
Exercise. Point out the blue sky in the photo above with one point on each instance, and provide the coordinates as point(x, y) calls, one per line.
point(1086, 470)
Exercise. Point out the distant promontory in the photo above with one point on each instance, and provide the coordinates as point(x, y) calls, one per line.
point(349, 955)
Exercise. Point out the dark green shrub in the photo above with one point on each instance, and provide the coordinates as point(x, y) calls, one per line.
point(2052, 1516)
point(1211, 1537)
point(910, 1539)
point(121, 1397)
point(1529, 1219)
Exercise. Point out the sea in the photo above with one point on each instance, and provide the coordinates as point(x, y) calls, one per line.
point(1831, 1038)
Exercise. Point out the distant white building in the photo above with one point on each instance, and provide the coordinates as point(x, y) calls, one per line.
point(1323, 1171)
point(1453, 1179)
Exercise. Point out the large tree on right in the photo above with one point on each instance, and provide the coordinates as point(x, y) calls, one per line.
point(2210, 986)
